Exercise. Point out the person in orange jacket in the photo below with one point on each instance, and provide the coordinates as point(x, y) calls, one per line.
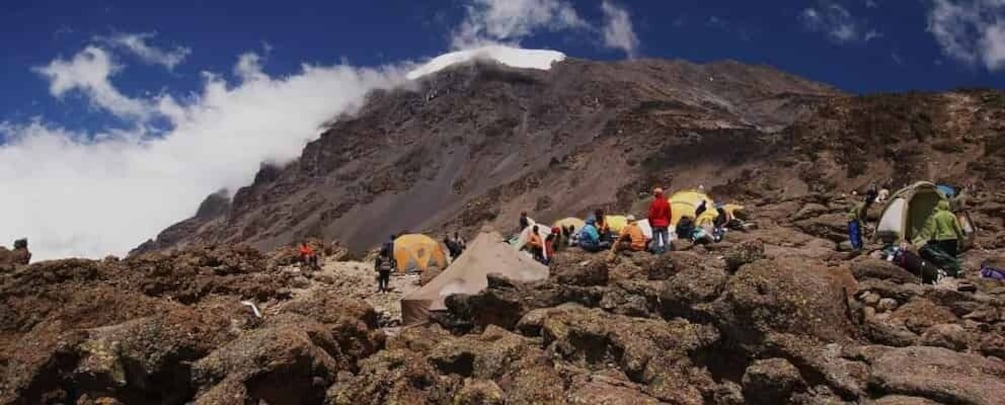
point(307, 256)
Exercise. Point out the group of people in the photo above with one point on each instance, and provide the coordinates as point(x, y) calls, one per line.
point(596, 235)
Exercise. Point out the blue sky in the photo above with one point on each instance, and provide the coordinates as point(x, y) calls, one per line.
point(118, 117)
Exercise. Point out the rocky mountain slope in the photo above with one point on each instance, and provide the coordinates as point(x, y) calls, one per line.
point(481, 142)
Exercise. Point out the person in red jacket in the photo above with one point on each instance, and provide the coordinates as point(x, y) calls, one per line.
point(659, 219)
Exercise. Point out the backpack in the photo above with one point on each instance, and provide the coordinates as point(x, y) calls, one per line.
point(993, 273)
point(385, 265)
point(929, 273)
point(685, 227)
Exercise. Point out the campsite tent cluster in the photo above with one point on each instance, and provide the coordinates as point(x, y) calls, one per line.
point(491, 253)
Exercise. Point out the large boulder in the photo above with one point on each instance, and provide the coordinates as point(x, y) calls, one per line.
point(939, 374)
point(504, 302)
point(651, 352)
point(292, 360)
point(587, 273)
point(396, 376)
point(745, 252)
point(867, 267)
point(771, 381)
point(690, 292)
point(784, 295)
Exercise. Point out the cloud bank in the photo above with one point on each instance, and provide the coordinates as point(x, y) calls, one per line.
point(970, 31)
point(91, 194)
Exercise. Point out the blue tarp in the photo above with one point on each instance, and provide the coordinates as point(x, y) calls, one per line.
point(949, 191)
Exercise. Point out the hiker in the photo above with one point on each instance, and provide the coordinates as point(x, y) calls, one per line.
point(463, 244)
point(557, 239)
point(659, 218)
point(685, 227)
point(524, 221)
point(571, 235)
point(536, 245)
point(603, 229)
point(631, 238)
point(307, 256)
point(943, 231)
point(383, 266)
point(883, 195)
point(550, 245)
point(589, 237)
point(453, 248)
point(856, 223)
point(702, 207)
point(719, 223)
point(871, 194)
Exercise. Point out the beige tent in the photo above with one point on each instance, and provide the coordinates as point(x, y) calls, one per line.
point(488, 253)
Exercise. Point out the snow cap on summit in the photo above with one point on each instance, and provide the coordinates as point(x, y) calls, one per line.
point(513, 57)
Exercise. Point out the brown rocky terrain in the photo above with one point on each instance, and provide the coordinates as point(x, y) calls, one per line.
point(773, 315)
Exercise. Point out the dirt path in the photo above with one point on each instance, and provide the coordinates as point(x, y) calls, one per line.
point(358, 280)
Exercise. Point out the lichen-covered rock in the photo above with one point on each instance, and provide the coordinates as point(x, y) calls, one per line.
point(479, 392)
point(939, 374)
point(785, 295)
point(745, 252)
point(866, 267)
point(394, 377)
point(771, 381)
point(949, 336)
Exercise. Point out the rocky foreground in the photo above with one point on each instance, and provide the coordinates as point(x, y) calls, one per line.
point(773, 315)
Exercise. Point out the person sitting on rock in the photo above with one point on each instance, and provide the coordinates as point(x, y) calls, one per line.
point(631, 238)
point(307, 256)
point(603, 228)
point(536, 245)
point(524, 221)
point(589, 237)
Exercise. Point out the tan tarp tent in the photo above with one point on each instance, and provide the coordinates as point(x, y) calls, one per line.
point(488, 253)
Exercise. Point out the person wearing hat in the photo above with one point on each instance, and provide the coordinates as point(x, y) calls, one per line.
point(659, 219)
point(631, 238)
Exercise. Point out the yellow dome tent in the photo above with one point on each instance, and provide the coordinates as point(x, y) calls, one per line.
point(417, 253)
point(684, 203)
point(577, 224)
point(616, 222)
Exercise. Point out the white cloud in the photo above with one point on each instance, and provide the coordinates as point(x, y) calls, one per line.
point(89, 72)
point(871, 4)
point(509, 21)
point(970, 31)
point(137, 45)
point(618, 30)
point(837, 23)
point(91, 194)
point(249, 67)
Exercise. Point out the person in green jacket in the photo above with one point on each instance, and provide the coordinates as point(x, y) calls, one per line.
point(943, 230)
